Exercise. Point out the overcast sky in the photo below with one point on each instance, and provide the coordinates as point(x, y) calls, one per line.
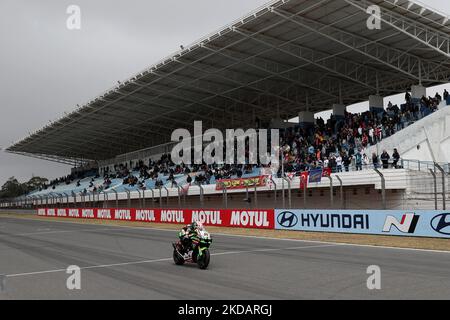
point(46, 69)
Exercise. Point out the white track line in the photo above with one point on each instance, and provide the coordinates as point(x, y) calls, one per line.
point(52, 232)
point(160, 260)
point(255, 237)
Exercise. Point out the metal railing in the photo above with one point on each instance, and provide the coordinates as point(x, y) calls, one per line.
point(425, 186)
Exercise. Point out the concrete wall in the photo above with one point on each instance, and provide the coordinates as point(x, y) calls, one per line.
point(425, 140)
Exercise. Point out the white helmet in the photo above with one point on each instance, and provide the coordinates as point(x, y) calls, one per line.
point(199, 225)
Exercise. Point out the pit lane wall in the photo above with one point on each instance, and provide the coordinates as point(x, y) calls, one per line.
point(257, 219)
point(417, 223)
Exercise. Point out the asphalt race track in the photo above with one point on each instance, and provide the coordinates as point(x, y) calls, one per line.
point(135, 263)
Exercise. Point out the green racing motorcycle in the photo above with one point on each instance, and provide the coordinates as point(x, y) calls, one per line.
point(197, 253)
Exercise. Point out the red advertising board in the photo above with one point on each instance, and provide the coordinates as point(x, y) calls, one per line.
point(238, 218)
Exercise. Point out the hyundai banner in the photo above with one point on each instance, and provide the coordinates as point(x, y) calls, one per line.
point(419, 223)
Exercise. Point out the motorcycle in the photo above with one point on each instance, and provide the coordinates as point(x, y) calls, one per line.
point(198, 252)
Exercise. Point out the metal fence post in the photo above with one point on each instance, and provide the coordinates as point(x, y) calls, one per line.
point(179, 196)
point(435, 189)
point(140, 198)
point(89, 199)
point(256, 197)
point(331, 192)
point(305, 187)
point(289, 192)
point(167, 196)
point(443, 185)
point(128, 197)
point(105, 199)
point(67, 199)
point(117, 198)
point(383, 188)
point(201, 195)
point(153, 196)
point(143, 198)
point(275, 188)
point(74, 196)
point(341, 191)
point(224, 195)
point(41, 198)
point(247, 198)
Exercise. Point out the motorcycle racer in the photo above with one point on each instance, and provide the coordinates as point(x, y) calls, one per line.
point(189, 233)
point(193, 245)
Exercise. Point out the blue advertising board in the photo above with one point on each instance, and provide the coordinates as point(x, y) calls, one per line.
point(414, 223)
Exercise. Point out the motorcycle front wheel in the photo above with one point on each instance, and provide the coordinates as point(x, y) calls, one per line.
point(203, 261)
point(177, 258)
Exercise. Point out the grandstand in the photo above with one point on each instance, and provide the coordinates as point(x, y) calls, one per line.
point(290, 58)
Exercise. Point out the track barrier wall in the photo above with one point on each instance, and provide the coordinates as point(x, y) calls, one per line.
point(257, 219)
point(419, 223)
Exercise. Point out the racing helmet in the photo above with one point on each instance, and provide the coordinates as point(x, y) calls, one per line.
point(200, 225)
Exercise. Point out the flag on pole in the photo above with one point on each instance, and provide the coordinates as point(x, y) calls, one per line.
point(315, 175)
point(304, 180)
point(326, 172)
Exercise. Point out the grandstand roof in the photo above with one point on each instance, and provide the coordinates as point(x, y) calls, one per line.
point(286, 57)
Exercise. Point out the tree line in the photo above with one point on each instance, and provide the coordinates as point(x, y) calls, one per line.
point(13, 188)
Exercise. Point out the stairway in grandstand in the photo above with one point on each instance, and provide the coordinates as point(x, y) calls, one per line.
point(425, 140)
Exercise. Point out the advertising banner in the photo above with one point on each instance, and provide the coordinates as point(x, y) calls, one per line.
point(417, 223)
point(242, 183)
point(257, 219)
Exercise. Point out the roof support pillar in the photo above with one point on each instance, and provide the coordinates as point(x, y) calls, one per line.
point(418, 91)
point(339, 111)
point(306, 119)
point(376, 103)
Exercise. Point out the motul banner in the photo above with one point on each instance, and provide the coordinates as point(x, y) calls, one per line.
point(241, 183)
point(258, 219)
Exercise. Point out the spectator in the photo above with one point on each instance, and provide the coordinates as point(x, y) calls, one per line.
point(332, 164)
point(339, 163)
point(396, 157)
point(385, 159)
point(326, 162)
point(346, 160)
point(358, 160)
point(407, 97)
point(375, 161)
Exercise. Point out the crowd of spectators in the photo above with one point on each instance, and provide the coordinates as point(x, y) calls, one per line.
point(69, 179)
point(340, 143)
